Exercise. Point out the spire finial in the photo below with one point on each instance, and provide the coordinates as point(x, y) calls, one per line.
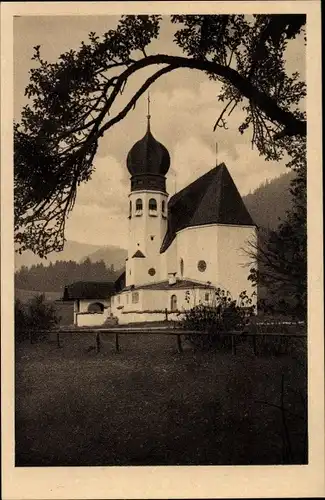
point(148, 115)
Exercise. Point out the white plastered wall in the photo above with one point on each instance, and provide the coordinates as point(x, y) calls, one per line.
point(84, 318)
point(146, 232)
point(234, 263)
point(222, 249)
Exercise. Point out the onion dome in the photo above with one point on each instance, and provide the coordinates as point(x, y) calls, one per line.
point(148, 156)
point(148, 162)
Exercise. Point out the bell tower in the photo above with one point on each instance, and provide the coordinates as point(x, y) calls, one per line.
point(148, 163)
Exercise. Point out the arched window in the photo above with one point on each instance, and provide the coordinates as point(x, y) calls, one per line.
point(130, 209)
point(95, 307)
point(138, 207)
point(181, 267)
point(152, 207)
point(173, 303)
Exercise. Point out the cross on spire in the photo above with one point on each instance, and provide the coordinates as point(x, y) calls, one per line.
point(148, 115)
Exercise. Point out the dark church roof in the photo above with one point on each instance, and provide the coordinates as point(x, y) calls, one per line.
point(89, 290)
point(120, 282)
point(148, 156)
point(211, 199)
point(178, 285)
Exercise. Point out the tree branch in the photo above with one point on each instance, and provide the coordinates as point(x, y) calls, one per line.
point(267, 104)
point(135, 98)
point(242, 84)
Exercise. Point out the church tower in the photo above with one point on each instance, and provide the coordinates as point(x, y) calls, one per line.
point(148, 162)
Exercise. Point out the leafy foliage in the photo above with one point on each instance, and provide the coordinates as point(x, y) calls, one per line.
point(282, 254)
point(225, 315)
point(21, 321)
point(33, 319)
point(255, 48)
point(71, 103)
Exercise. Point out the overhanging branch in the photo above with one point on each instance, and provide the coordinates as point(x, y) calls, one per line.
point(268, 105)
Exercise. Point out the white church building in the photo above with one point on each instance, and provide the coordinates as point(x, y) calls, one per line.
point(182, 248)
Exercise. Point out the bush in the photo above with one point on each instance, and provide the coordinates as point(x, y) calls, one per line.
point(34, 319)
point(21, 321)
point(217, 320)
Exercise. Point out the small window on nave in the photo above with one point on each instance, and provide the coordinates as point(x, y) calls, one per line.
point(181, 267)
point(173, 303)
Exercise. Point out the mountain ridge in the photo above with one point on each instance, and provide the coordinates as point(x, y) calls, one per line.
point(78, 252)
point(269, 203)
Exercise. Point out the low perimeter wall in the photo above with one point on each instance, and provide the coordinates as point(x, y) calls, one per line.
point(91, 319)
point(137, 317)
point(98, 319)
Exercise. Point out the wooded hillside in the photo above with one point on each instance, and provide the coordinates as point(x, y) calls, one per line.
point(55, 276)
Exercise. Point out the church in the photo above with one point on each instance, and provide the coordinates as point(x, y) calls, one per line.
point(180, 249)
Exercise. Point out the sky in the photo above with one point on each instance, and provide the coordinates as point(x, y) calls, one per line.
point(184, 108)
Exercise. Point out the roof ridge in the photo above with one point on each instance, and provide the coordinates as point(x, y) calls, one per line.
point(189, 186)
point(221, 188)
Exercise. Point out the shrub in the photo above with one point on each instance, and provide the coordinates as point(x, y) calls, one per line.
point(21, 321)
point(225, 315)
point(34, 319)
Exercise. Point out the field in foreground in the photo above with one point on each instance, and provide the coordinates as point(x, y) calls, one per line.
point(150, 405)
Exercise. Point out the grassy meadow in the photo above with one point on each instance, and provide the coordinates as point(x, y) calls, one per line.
point(150, 405)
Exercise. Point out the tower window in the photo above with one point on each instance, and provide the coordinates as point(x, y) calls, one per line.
point(163, 208)
point(138, 207)
point(130, 209)
point(152, 207)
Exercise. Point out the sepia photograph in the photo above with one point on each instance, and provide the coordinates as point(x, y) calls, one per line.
point(161, 287)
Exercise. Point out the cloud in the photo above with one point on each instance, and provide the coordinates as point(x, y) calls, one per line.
point(182, 119)
point(107, 188)
point(250, 169)
point(184, 109)
point(97, 225)
point(191, 159)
